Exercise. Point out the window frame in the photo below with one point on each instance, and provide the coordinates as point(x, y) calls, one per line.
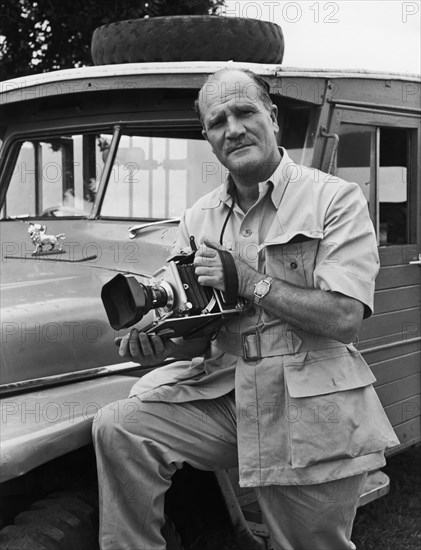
point(45, 131)
point(379, 120)
point(10, 154)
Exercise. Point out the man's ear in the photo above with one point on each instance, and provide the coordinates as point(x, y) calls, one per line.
point(205, 135)
point(274, 117)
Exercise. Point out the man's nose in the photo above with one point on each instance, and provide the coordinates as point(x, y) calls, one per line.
point(234, 127)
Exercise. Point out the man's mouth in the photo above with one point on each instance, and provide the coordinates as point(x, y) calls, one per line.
point(238, 148)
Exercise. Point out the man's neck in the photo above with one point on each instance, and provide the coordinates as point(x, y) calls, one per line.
point(246, 196)
point(247, 186)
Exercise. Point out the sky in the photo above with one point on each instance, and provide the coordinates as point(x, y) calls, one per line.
point(379, 35)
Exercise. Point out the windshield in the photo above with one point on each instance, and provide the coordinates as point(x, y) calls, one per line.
point(160, 176)
point(155, 173)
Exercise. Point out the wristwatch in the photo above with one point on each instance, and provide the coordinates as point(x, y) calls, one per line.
point(261, 289)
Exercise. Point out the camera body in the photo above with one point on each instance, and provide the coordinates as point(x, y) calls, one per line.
point(178, 301)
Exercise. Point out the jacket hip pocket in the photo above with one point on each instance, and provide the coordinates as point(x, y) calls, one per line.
point(334, 411)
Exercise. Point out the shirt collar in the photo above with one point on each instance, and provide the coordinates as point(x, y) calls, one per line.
point(280, 179)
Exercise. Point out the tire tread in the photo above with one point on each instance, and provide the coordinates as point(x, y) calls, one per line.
point(62, 521)
point(188, 38)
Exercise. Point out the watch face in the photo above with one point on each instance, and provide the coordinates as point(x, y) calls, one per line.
point(261, 288)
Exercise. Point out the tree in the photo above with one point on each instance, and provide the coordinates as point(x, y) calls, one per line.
point(44, 35)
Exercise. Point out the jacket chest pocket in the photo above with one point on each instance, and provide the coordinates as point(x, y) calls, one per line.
point(292, 261)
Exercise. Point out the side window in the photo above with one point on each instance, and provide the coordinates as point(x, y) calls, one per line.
point(56, 176)
point(21, 194)
point(294, 128)
point(160, 176)
point(377, 158)
point(393, 186)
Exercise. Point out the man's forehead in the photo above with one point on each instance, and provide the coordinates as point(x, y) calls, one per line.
point(227, 86)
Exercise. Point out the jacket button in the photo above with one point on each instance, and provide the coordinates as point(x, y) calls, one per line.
point(293, 265)
point(247, 233)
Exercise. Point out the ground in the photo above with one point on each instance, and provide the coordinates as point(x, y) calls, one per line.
point(394, 521)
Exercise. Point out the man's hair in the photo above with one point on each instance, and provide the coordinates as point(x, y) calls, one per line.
point(262, 88)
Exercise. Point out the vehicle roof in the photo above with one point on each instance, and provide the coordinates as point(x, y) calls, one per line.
point(8, 88)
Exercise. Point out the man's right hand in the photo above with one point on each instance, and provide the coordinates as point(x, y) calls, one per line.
point(147, 349)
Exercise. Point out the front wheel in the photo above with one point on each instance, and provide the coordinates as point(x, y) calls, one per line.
point(61, 521)
point(64, 521)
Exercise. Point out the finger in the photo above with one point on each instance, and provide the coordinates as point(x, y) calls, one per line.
point(212, 245)
point(157, 345)
point(207, 261)
point(118, 340)
point(202, 270)
point(214, 282)
point(206, 251)
point(134, 345)
point(146, 346)
point(124, 347)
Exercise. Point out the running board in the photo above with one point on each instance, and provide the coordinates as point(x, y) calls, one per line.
point(376, 486)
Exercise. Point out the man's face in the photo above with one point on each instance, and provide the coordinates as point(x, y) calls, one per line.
point(238, 125)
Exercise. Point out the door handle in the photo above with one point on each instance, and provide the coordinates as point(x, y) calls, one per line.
point(416, 262)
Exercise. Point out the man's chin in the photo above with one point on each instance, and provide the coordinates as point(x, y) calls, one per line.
point(240, 152)
point(252, 168)
point(240, 155)
point(242, 162)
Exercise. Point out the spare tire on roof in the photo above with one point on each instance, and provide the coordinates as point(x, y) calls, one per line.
point(188, 38)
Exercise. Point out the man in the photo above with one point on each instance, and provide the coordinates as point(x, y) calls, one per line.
point(280, 390)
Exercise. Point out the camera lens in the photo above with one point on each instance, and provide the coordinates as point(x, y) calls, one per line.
point(158, 296)
point(126, 300)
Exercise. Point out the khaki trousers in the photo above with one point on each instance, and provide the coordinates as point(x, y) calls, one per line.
point(140, 445)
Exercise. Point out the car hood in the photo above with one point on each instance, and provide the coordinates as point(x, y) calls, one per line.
point(53, 320)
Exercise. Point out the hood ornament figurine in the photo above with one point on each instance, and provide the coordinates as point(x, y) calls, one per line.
point(38, 235)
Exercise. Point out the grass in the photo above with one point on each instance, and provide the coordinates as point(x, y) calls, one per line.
point(394, 521)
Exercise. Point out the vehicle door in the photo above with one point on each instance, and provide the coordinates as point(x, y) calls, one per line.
point(381, 152)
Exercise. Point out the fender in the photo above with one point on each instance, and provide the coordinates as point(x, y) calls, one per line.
point(39, 426)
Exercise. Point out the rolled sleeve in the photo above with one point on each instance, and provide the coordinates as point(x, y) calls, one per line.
point(347, 260)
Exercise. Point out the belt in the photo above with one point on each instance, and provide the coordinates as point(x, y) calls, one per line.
point(255, 343)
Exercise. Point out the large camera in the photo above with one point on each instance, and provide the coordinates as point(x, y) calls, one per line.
point(175, 297)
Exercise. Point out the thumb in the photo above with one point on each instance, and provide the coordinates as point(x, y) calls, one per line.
point(211, 244)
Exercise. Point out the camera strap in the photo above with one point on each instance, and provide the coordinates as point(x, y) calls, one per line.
point(230, 276)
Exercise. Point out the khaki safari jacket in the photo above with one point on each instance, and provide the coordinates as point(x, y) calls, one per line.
point(305, 405)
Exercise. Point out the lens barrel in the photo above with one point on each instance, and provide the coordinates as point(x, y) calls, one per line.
point(126, 300)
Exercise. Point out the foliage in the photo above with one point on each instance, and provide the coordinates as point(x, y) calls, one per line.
point(44, 35)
